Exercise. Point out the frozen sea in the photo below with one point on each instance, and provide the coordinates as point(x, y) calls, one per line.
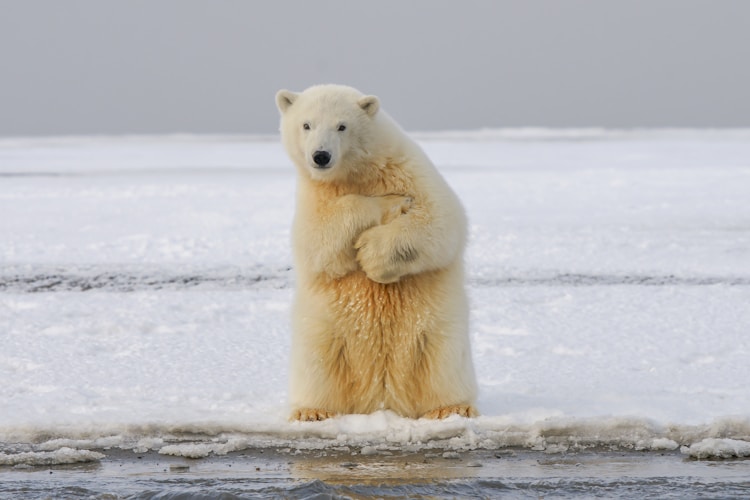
point(145, 288)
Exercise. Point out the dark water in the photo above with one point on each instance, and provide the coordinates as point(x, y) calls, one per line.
point(316, 475)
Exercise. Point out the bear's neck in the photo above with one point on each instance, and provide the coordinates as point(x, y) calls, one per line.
point(372, 179)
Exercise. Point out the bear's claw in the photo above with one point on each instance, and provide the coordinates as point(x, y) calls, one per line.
point(311, 414)
point(447, 411)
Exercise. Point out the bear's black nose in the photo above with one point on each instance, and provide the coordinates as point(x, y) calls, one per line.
point(321, 158)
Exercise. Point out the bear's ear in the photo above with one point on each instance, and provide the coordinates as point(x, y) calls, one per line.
point(284, 99)
point(370, 104)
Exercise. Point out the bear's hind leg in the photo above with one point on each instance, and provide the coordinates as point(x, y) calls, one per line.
point(311, 414)
point(447, 411)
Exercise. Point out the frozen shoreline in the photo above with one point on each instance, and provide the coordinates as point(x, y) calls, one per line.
point(145, 287)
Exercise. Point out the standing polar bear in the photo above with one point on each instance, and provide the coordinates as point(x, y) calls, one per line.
point(380, 319)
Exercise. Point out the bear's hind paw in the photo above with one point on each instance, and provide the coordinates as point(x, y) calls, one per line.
point(311, 414)
point(447, 411)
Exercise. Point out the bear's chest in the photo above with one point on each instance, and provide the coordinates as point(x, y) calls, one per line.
point(376, 179)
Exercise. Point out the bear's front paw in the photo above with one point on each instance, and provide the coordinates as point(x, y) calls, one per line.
point(382, 258)
point(393, 205)
point(311, 414)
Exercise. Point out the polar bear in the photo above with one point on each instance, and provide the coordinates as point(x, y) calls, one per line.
point(380, 316)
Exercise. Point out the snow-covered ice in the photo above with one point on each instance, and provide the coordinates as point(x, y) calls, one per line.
point(145, 285)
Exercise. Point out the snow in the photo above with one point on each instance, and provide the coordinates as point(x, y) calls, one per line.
point(145, 285)
point(718, 448)
point(57, 457)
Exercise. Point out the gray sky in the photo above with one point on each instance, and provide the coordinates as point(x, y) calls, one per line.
point(213, 66)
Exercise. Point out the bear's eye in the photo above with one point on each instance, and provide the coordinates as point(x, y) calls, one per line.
point(342, 127)
point(306, 126)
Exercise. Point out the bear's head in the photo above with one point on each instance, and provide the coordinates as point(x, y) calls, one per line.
point(327, 129)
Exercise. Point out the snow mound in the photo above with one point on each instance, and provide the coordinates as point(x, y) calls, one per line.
point(712, 448)
point(61, 456)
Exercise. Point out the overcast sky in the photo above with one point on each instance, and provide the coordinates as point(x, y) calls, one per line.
point(213, 66)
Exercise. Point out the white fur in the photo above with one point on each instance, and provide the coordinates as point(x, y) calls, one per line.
point(378, 240)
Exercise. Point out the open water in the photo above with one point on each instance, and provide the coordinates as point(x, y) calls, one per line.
point(344, 474)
